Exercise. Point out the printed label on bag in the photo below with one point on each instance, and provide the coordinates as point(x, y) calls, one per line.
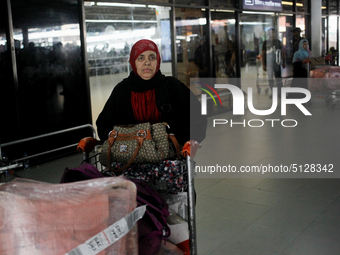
point(109, 235)
point(123, 148)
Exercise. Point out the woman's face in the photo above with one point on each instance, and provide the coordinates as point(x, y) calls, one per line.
point(146, 64)
point(305, 45)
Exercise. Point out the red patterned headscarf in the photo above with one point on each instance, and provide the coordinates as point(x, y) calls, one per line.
point(140, 47)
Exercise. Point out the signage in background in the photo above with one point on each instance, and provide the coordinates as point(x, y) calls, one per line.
point(263, 5)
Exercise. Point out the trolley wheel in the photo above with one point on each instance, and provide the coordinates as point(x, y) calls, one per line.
point(266, 90)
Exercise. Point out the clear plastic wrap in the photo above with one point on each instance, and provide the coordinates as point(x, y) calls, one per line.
point(40, 218)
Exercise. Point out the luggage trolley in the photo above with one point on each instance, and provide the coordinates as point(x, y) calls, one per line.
point(92, 157)
point(261, 77)
point(8, 167)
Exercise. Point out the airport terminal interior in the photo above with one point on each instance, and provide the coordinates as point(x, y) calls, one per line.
point(60, 61)
point(255, 214)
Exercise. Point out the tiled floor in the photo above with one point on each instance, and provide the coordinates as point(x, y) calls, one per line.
point(248, 214)
point(254, 214)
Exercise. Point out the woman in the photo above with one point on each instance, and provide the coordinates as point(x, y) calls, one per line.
point(301, 59)
point(149, 96)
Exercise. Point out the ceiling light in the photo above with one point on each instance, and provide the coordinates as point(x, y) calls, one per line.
point(266, 13)
point(253, 23)
point(220, 10)
point(286, 3)
point(87, 3)
point(120, 4)
point(119, 21)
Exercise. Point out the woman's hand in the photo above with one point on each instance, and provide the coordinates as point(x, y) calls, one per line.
point(190, 148)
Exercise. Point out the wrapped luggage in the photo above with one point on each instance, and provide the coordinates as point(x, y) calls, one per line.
point(39, 218)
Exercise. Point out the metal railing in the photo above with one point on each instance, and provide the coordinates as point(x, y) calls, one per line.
point(39, 137)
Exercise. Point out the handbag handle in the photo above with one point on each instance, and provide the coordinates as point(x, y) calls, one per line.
point(111, 140)
point(176, 144)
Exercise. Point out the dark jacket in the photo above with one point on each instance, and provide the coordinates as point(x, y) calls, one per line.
point(179, 107)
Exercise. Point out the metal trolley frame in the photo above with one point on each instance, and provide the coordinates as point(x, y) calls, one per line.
point(190, 166)
point(261, 77)
point(14, 164)
point(17, 163)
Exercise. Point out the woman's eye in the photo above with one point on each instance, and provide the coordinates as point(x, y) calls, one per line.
point(152, 58)
point(140, 58)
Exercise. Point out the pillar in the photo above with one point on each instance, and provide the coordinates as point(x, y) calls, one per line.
point(316, 33)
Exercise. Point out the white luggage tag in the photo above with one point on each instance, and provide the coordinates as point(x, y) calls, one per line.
point(109, 235)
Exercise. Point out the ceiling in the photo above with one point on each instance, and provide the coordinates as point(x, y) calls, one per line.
point(42, 13)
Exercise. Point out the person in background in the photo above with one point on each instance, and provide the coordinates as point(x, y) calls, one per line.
point(331, 57)
point(270, 62)
point(296, 39)
point(300, 60)
point(230, 60)
point(149, 96)
point(201, 59)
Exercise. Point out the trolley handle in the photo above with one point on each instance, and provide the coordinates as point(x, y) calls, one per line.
point(190, 148)
point(87, 144)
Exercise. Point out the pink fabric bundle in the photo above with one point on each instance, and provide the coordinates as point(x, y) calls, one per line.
point(39, 218)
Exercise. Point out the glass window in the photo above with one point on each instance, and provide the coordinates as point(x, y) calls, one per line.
point(333, 21)
point(9, 124)
point(111, 30)
point(287, 6)
point(52, 87)
point(324, 7)
point(191, 3)
point(300, 22)
point(254, 28)
point(264, 37)
point(155, 1)
point(191, 44)
point(302, 5)
point(222, 4)
point(337, 47)
point(223, 55)
point(286, 37)
point(333, 6)
point(223, 40)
